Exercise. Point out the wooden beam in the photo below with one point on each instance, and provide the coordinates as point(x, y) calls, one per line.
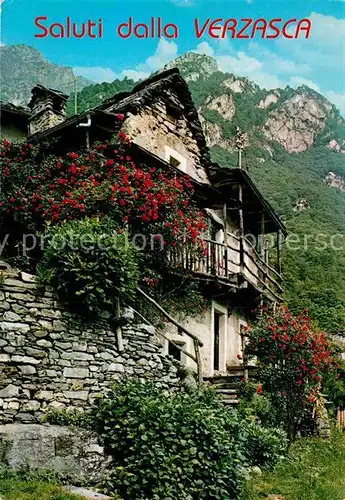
point(262, 236)
point(198, 360)
point(279, 251)
point(169, 318)
point(241, 224)
point(225, 240)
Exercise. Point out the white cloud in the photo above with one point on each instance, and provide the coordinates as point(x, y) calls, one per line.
point(327, 30)
point(337, 99)
point(95, 73)
point(165, 52)
point(296, 81)
point(240, 64)
point(205, 48)
point(273, 61)
point(325, 47)
point(133, 74)
point(267, 80)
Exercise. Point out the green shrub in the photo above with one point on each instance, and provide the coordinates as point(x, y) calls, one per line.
point(186, 446)
point(75, 418)
point(265, 446)
point(90, 264)
point(254, 406)
point(171, 446)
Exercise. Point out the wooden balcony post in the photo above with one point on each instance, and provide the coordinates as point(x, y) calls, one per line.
point(241, 223)
point(262, 255)
point(262, 236)
point(279, 251)
point(225, 239)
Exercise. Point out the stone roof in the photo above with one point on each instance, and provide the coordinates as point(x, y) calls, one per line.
point(12, 108)
point(38, 90)
point(168, 84)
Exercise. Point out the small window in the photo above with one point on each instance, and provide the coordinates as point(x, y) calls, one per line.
point(174, 161)
point(172, 114)
point(175, 352)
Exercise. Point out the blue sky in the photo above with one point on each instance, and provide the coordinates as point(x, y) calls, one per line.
point(318, 62)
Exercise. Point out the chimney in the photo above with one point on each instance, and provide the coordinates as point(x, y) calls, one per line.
point(48, 109)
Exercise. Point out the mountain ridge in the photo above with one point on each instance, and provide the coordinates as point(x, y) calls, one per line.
point(23, 67)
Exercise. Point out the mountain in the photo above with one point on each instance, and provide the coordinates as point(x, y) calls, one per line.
point(295, 152)
point(95, 94)
point(296, 155)
point(23, 67)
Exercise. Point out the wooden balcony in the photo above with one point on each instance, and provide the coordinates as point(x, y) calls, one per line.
point(228, 262)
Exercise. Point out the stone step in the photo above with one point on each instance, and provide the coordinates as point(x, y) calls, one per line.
point(226, 391)
point(228, 395)
point(225, 386)
point(230, 402)
point(86, 493)
point(230, 377)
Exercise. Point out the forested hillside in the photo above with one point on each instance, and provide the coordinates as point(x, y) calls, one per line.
point(95, 94)
point(294, 139)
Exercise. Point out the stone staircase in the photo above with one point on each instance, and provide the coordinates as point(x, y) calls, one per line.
point(227, 388)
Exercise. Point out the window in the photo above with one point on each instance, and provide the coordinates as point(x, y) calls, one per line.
point(172, 114)
point(174, 351)
point(175, 159)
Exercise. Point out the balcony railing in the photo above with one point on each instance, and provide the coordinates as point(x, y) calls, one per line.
point(226, 261)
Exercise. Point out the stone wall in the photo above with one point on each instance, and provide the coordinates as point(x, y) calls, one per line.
point(49, 359)
point(154, 129)
point(74, 453)
point(45, 119)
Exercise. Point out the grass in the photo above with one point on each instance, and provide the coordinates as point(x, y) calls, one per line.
point(313, 470)
point(33, 490)
point(25, 485)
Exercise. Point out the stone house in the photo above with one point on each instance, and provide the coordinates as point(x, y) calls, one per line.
point(163, 125)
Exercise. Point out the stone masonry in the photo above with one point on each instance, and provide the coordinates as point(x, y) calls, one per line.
point(49, 359)
point(77, 454)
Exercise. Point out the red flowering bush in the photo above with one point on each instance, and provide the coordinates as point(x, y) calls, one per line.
point(154, 205)
point(38, 190)
point(292, 359)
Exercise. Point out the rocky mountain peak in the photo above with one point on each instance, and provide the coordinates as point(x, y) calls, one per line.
point(22, 67)
point(297, 121)
point(194, 66)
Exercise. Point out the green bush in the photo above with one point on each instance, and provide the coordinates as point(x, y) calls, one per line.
point(265, 446)
point(73, 417)
point(255, 407)
point(90, 264)
point(179, 445)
